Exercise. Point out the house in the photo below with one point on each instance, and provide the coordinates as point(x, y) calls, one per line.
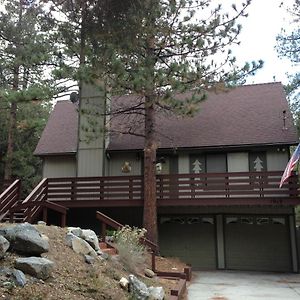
point(219, 204)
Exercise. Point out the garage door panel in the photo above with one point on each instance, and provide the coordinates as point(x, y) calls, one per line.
point(192, 243)
point(261, 245)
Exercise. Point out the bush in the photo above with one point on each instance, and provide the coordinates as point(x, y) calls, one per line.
point(131, 252)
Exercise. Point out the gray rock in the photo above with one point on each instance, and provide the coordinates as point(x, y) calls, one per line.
point(138, 289)
point(103, 255)
point(8, 284)
point(68, 239)
point(19, 278)
point(149, 273)
point(41, 223)
point(4, 245)
point(124, 283)
point(90, 237)
point(89, 259)
point(25, 238)
point(15, 277)
point(75, 230)
point(36, 266)
point(79, 245)
point(156, 293)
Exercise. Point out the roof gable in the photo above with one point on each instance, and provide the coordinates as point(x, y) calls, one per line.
point(246, 115)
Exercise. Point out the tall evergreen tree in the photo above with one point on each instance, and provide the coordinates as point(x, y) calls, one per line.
point(155, 50)
point(25, 54)
point(288, 46)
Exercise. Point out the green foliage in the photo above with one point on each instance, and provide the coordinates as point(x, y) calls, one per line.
point(159, 47)
point(130, 250)
point(288, 46)
point(27, 47)
point(31, 120)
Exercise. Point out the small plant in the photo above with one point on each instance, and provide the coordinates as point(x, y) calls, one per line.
point(131, 251)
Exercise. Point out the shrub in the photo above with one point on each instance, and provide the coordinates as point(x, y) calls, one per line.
point(131, 251)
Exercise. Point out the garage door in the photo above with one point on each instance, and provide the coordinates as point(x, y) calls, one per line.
point(258, 243)
point(191, 238)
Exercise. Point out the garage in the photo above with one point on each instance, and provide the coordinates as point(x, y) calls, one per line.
point(191, 238)
point(260, 243)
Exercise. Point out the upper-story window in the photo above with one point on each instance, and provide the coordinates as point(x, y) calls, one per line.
point(257, 162)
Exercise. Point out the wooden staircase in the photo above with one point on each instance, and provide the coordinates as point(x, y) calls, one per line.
point(10, 198)
point(17, 217)
point(108, 248)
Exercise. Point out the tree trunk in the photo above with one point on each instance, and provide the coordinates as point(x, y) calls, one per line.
point(150, 205)
point(13, 110)
point(10, 141)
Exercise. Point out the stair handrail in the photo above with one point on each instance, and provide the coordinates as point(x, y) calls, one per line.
point(9, 197)
point(41, 205)
point(35, 191)
point(106, 220)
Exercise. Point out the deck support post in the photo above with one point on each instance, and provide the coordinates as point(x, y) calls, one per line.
point(45, 214)
point(293, 243)
point(63, 220)
point(103, 231)
point(220, 242)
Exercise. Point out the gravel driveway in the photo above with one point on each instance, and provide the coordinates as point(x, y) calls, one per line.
point(235, 285)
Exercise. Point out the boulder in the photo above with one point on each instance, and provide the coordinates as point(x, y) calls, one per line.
point(138, 289)
point(25, 238)
point(149, 273)
point(79, 245)
point(124, 283)
point(36, 266)
point(75, 230)
point(156, 293)
point(89, 259)
point(19, 278)
point(90, 237)
point(4, 245)
point(42, 223)
point(13, 276)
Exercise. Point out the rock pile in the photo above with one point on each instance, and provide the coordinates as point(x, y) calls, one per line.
point(140, 291)
point(24, 239)
point(84, 242)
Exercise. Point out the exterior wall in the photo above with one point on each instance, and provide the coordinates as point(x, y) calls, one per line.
point(227, 210)
point(183, 164)
point(59, 166)
point(237, 162)
point(277, 160)
point(90, 154)
point(117, 160)
point(270, 160)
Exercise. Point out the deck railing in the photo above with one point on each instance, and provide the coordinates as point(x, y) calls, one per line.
point(228, 187)
point(9, 197)
point(106, 188)
point(179, 189)
point(4, 184)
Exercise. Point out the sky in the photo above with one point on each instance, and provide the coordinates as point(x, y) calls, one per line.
point(258, 39)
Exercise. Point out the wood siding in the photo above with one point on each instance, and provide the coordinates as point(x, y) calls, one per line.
point(91, 140)
point(59, 166)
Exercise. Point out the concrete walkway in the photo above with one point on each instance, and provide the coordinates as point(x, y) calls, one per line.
point(234, 285)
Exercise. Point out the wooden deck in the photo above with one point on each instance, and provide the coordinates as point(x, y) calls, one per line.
point(243, 188)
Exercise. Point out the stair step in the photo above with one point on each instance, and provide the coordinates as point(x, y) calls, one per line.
point(109, 251)
point(103, 245)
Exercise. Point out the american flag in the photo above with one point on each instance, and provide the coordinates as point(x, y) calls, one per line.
point(290, 166)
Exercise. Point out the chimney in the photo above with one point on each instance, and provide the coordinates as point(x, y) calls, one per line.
point(91, 131)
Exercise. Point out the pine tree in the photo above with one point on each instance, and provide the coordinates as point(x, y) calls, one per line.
point(177, 50)
point(155, 50)
point(288, 46)
point(25, 53)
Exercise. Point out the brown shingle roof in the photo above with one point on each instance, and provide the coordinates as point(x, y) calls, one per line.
point(60, 133)
point(247, 115)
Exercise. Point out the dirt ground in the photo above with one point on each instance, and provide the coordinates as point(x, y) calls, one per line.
point(72, 278)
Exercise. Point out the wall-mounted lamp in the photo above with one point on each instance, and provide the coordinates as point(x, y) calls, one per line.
point(126, 168)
